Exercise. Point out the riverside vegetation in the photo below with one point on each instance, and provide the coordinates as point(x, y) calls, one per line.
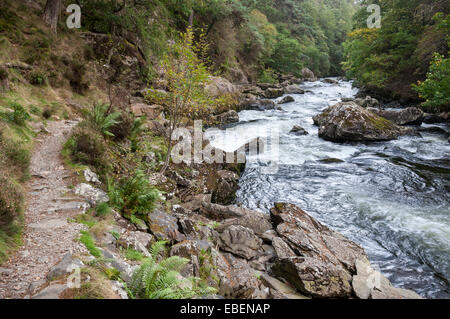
point(133, 74)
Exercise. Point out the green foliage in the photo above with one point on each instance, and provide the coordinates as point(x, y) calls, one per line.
point(435, 90)
point(19, 116)
point(102, 119)
point(11, 201)
point(162, 280)
point(134, 195)
point(102, 210)
point(87, 240)
point(133, 255)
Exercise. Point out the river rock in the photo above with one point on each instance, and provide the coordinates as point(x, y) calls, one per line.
point(223, 185)
point(436, 118)
point(367, 102)
point(408, 116)
point(308, 75)
point(293, 89)
point(309, 238)
point(93, 195)
point(282, 250)
point(219, 86)
point(330, 81)
point(298, 130)
point(347, 121)
point(258, 104)
point(164, 226)
point(240, 241)
point(227, 117)
point(273, 93)
point(286, 99)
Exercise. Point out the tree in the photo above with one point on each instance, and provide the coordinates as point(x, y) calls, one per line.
point(186, 76)
point(51, 13)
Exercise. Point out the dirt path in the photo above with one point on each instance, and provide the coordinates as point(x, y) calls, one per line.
point(48, 236)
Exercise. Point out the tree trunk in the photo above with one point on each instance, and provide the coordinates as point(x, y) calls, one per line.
point(51, 13)
point(191, 19)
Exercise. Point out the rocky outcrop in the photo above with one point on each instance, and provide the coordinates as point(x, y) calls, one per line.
point(286, 99)
point(273, 93)
point(152, 112)
point(66, 266)
point(408, 116)
point(347, 121)
point(164, 226)
point(93, 195)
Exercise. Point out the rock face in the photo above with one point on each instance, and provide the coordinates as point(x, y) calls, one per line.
point(347, 121)
point(298, 130)
point(223, 185)
point(240, 241)
point(64, 267)
point(286, 99)
point(408, 116)
point(327, 260)
point(227, 117)
point(152, 112)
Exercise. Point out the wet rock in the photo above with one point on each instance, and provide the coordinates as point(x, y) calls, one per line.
point(258, 104)
point(164, 226)
point(286, 99)
point(90, 176)
point(298, 130)
point(315, 277)
point(347, 99)
point(51, 292)
point(331, 160)
point(330, 81)
point(240, 241)
point(435, 118)
point(371, 284)
point(223, 186)
point(350, 122)
point(66, 266)
point(293, 89)
point(93, 195)
point(408, 116)
point(227, 117)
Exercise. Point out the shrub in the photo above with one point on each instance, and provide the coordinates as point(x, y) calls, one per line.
point(11, 199)
point(435, 90)
point(38, 78)
point(88, 147)
point(124, 126)
point(134, 195)
point(103, 209)
point(19, 115)
point(162, 280)
point(102, 120)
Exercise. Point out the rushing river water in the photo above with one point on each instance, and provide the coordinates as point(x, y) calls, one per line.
point(392, 198)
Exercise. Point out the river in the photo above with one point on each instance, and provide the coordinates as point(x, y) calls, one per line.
point(392, 198)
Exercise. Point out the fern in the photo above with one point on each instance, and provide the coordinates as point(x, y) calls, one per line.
point(102, 120)
point(162, 280)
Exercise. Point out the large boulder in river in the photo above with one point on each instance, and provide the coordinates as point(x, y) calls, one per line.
point(293, 89)
point(286, 99)
point(227, 118)
point(252, 103)
point(308, 75)
point(408, 116)
point(347, 121)
point(273, 93)
point(366, 102)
